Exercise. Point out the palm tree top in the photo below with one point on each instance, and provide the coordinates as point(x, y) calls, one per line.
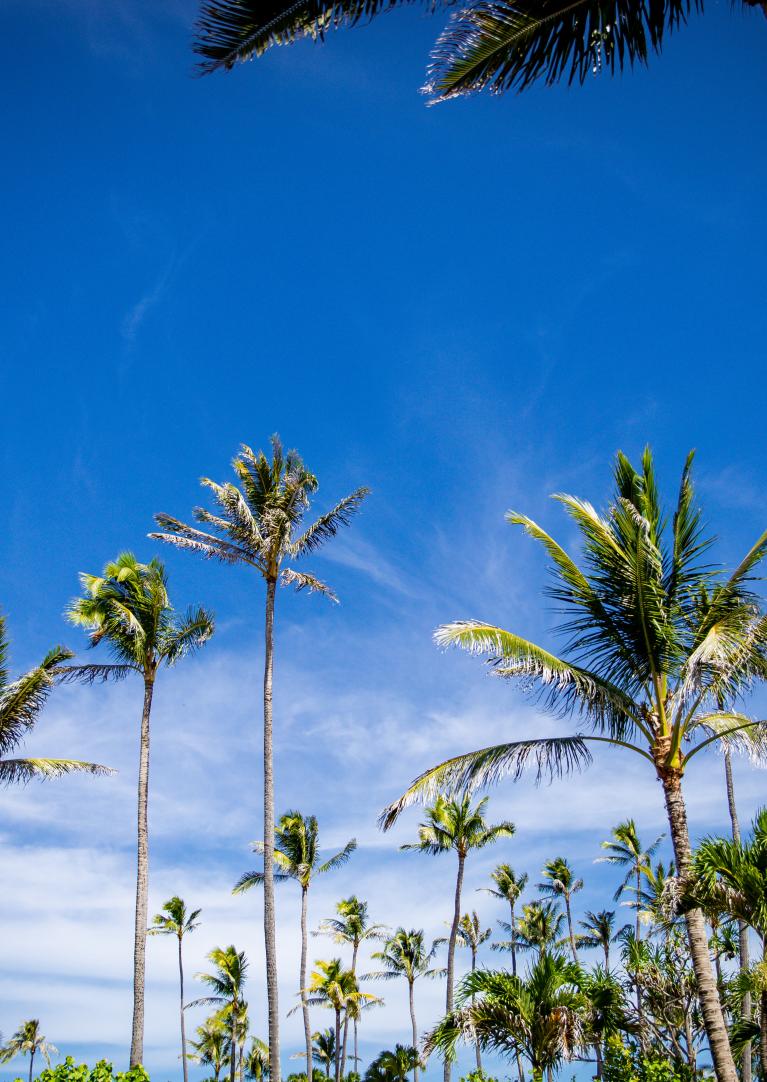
point(455, 823)
point(296, 853)
point(352, 925)
point(227, 982)
point(559, 878)
point(404, 954)
point(174, 919)
point(27, 1040)
point(508, 885)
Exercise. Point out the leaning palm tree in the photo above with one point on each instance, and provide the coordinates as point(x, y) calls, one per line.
point(297, 856)
point(212, 1045)
point(599, 931)
point(471, 934)
point(174, 920)
point(626, 851)
point(28, 1041)
point(458, 826)
point(508, 886)
point(128, 608)
point(261, 524)
point(21, 701)
point(226, 985)
point(336, 988)
point(560, 882)
point(352, 926)
point(405, 954)
point(498, 44)
point(655, 639)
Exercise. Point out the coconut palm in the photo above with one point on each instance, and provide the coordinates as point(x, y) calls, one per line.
point(324, 1049)
point(743, 946)
point(599, 931)
point(538, 929)
point(262, 524)
point(336, 988)
point(28, 1041)
point(560, 882)
point(212, 1046)
point(226, 984)
point(351, 926)
point(655, 639)
point(393, 1066)
point(471, 934)
point(297, 856)
point(540, 1016)
point(174, 920)
point(21, 701)
point(256, 1062)
point(492, 43)
point(405, 954)
point(604, 1010)
point(458, 826)
point(508, 886)
point(626, 851)
point(128, 608)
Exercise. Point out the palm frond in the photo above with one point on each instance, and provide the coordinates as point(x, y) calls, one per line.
point(92, 674)
point(208, 545)
point(302, 581)
point(15, 771)
point(340, 858)
point(327, 525)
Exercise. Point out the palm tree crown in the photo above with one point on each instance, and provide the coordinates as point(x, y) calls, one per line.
point(404, 954)
point(28, 1040)
point(174, 919)
point(296, 853)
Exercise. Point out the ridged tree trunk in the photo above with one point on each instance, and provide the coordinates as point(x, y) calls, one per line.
point(716, 1030)
point(270, 938)
point(513, 926)
point(411, 999)
point(233, 1044)
point(637, 985)
point(745, 961)
point(31, 1063)
point(355, 951)
point(304, 1000)
point(570, 932)
point(477, 1051)
point(183, 1020)
point(338, 1046)
point(142, 882)
point(451, 950)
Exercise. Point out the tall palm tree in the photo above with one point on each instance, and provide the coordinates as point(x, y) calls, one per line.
point(351, 926)
point(626, 851)
point(457, 826)
point(212, 1046)
point(334, 987)
point(395, 1065)
point(28, 1041)
point(174, 920)
point(21, 701)
point(743, 947)
point(599, 931)
point(508, 886)
point(226, 984)
point(540, 1016)
point(128, 608)
point(498, 44)
point(405, 954)
point(666, 638)
point(471, 934)
point(297, 856)
point(560, 882)
point(261, 524)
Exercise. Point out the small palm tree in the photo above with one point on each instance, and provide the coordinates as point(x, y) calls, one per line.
point(261, 525)
point(226, 984)
point(324, 1049)
point(599, 931)
point(351, 926)
point(212, 1046)
point(297, 856)
point(336, 988)
point(393, 1066)
point(626, 851)
point(405, 955)
point(538, 929)
point(560, 882)
point(605, 1012)
point(458, 826)
point(174, 920)
point(21, 701)
point(129, 609)
point(256, 1061)
point(509, 887)
point(28, 1041)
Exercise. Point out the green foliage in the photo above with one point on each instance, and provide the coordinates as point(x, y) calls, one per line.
point(624, 1064)
point(478, 1076)
point(69, 1071)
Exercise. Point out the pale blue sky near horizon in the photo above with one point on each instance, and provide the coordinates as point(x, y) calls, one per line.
point(467, 308)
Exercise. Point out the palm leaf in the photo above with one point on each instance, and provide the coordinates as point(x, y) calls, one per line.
point(14, 771)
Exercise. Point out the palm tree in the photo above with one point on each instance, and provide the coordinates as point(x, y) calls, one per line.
point(393, 1066)
point(174, 920)
point(743, 949)
point(226, 984)
point(540, 1016)
point(666, 637)
point(605, 1012)
point(128, 608)
point(560, 882)
point(599, 931)
point(28, 1041)
point(334, 987)
point(458, 826)
point(405, 955)
point(297, 856)
point(324, 1049)
point(509, 886)
point(351, 926)
point(494, 43)
point(213, 1045)
point(261, 524)
point(471, 934)
point(256, 1063)
point(626, 851)
point(538, 929)
point(21, 701)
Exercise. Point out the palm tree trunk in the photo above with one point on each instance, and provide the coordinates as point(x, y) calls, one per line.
point(411, 997)
point(304, 1001)
point(142, 882)
point(346, 1017)
point(270, 939)
point(745, 961)
point(716, 1031)
point(338, 1046)
point(356, 1050)
point(233, 1044)
point(606, 949)
point(637, 985)
point(451, 951)
point(183, 1020)
point(31, 1063)
point(476, 1042)
point(570, 928)
point(513, 927)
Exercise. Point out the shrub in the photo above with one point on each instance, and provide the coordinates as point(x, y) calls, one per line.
point(69, 1071)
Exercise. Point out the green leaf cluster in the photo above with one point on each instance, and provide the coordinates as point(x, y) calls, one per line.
point(626, 1064)
point(69, 1071)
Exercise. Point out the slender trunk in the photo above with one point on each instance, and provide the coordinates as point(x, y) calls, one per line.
point(745, 961)
point(411, 997)
point(233, 1044)
point(338, 1046)
point(570, 928)
point(638, 874)
point(690, 1042)
point(356, 1049)
point(606, 949)
point(142, 883)
point(513, 927)
point(476, 1042)
point(270, 942)
point(346, 1016)
point(451, 951)
point(637, 985)
point(302, 985)
point(183, 1020)
point(31, 1063)
point(716, 1031)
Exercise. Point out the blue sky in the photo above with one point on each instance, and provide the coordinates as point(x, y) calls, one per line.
point(467, 308)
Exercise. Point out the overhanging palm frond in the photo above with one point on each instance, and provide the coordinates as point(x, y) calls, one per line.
point(339, 859)
point(552, 757)
point(302, 581)
point(208, 545)
point(14, 771)
point(92, 674)
point(188, 635)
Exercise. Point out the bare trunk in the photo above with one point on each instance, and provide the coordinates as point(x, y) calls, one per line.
point(451, 951)
point(637, 985)
point(233, 1044)
point(356, 1049)
point(302, 985)
point(570, 928)
point(606, 949)
point(716, 1031)
point(270, 942)
point(411, 996)
point(346, 1016)
point(183, 1020)
point(745, 961)
point(31, 1063)
point(513, 927)
point(476, 1042)
point(338, 1046)
point(142, 883)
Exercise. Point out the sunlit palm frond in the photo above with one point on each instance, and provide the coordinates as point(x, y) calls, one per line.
point(15, 771)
